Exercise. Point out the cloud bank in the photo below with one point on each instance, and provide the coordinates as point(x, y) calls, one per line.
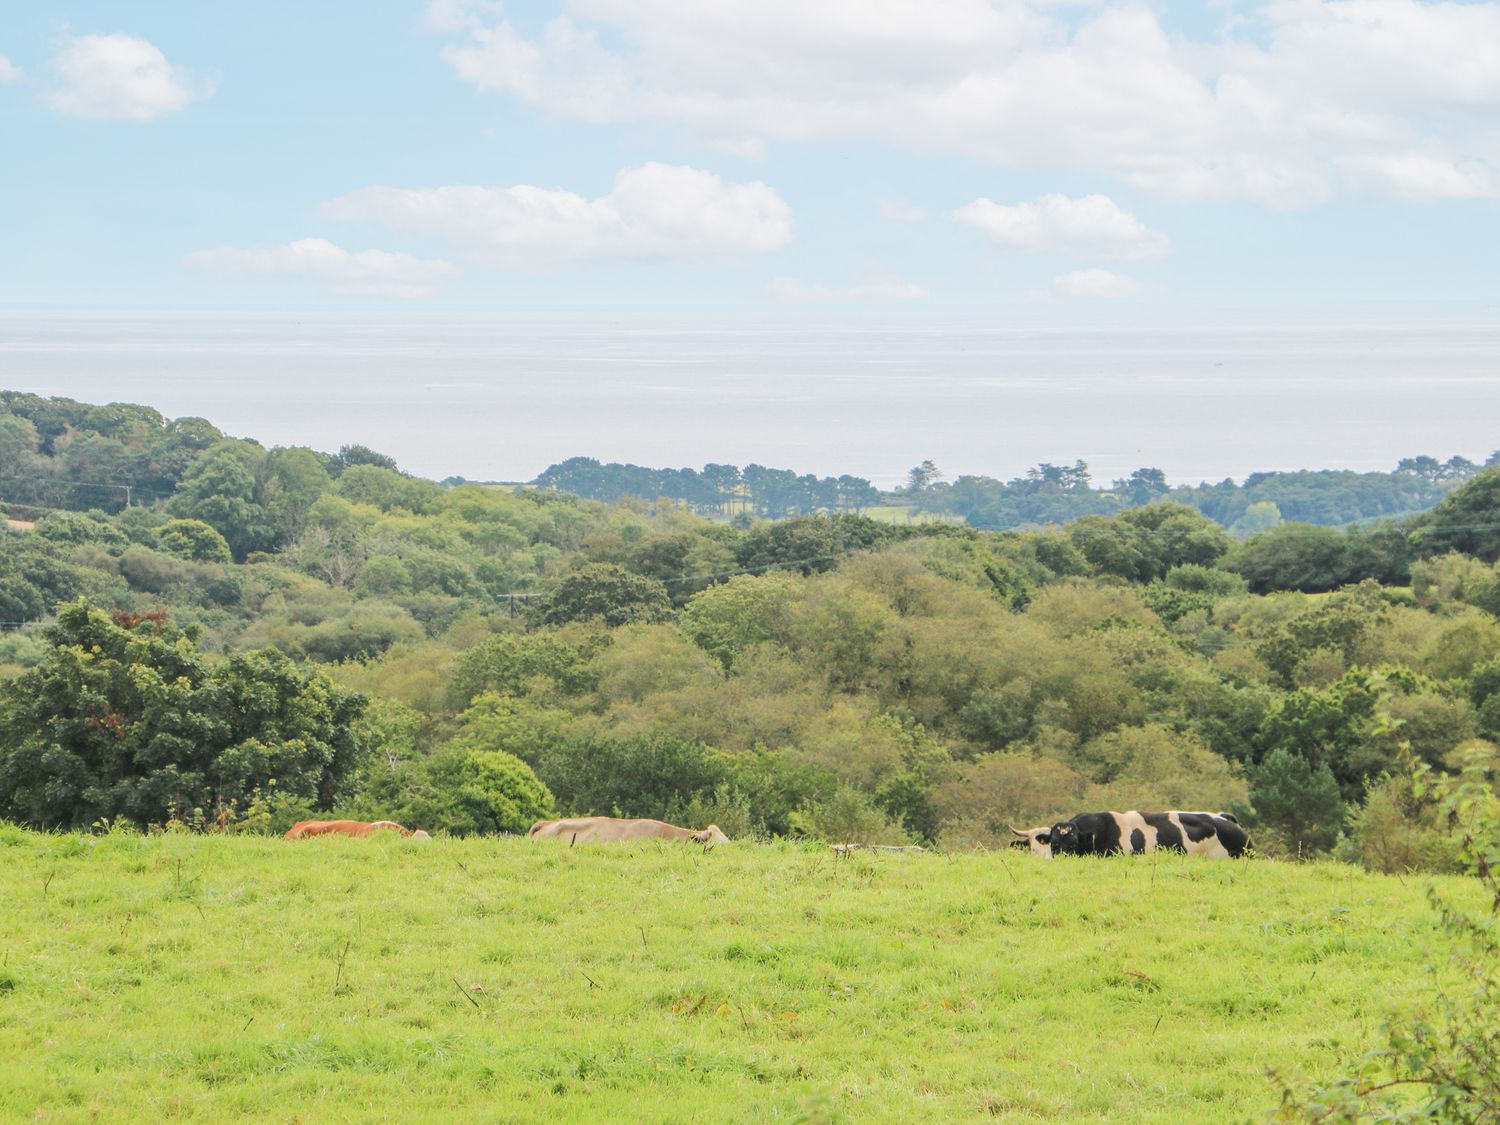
point(656, 212)
point(1096, 284)
point(1298, 103)
point(368, 273)
point(792, 290)
point(1093, 225)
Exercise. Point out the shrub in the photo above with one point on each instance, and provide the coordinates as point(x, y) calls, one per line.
point(151, 571)
point(494, 792)
point(848, 816)
point(1395, 831)
point(192, 539)
point(641, 776)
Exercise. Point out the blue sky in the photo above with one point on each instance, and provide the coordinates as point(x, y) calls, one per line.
point(904, 154)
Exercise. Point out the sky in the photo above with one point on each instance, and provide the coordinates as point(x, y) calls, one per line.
point(901, 157)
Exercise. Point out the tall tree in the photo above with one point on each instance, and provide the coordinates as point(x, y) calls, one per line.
point(124, 718)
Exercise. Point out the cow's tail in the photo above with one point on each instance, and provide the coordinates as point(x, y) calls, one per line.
point(532, 831)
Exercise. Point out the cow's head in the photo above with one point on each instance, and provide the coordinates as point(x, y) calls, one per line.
point(1038, 841)
point(420, 834)
point(1065, 839)
point(710, 835)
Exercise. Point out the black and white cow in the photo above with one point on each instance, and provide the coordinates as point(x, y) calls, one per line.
point(1215, 835)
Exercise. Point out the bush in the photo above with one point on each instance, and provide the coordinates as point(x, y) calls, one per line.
point(1395, 832)
point(151, 571)
point(646, 775)
point(194, 540)
point(848, 816)
point(492, 792)
point(1000, 790)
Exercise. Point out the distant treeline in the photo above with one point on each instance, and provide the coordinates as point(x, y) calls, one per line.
point(755, 489)
point(1331, 498)
point(58, 453)
point(1045, 494)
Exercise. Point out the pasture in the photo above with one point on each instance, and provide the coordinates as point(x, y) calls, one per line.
point(208, 978)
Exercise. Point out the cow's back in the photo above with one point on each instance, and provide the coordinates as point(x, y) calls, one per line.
point(1106, 833)
point(606, 830)
point(1210, 834)
point(309, 828)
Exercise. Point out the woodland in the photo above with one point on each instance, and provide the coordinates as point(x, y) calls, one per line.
point(201, 630)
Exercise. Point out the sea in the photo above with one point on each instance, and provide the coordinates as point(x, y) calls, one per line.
point(502, 396)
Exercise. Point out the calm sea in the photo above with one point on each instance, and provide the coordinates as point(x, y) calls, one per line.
point(501, 397)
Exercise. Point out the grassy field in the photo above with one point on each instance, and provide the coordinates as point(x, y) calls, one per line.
point(209, 978)
point(901, 513)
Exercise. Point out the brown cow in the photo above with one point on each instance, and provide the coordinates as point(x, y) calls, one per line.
point(305, 829)
point(608, 829)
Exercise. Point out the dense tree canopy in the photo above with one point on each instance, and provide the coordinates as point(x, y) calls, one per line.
point(830, 673)
point(123, 718)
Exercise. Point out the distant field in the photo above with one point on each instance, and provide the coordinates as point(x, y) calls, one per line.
point(500, 980)
point(900, 513)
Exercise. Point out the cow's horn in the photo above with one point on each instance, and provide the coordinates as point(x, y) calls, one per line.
point(1018, 832)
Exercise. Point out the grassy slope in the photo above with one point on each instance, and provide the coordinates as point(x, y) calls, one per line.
point(194, 977)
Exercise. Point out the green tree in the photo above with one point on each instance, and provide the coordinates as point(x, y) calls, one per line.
point(350, 455)
point(193, 539)
point(1259, 516)
point(541, 664)
point(606, 593)
point(1467, 520)
point(291, 482)
point(1144, 543)
point(1293, 556)
point(1300, 802)
point(220, 491)
point(485, 792)
point(123, 718)
point(922, 477)
point(727, 619)
point(20, 456)
point(383, 576)
point(646, 775)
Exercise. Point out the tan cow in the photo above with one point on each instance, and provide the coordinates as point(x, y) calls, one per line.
point(306, 829)
point(608, 829)
point(1032, 840)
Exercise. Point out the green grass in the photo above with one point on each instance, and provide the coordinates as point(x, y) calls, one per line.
point(902, 513)
point(212, 979)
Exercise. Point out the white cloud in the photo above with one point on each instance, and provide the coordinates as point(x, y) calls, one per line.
point(369, 273)
point(654, 212)
point(789, 289)
point(9, 72)
point(461, 15)
point(1093, 225)
point(895, 211)
point(1095, 283)
point(119, 76)
point(1308, 100)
